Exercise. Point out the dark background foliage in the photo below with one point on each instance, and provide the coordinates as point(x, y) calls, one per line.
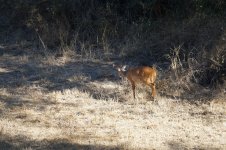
point(144, 31)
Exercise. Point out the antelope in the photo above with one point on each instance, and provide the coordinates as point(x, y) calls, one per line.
point(143, 74)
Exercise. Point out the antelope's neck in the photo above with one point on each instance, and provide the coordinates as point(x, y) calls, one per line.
point(124, 73)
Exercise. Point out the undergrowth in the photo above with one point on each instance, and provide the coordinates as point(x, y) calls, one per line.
point(187, 44)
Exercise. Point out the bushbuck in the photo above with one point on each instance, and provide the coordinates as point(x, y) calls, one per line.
point(143, 74)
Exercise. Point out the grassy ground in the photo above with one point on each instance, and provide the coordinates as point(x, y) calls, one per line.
point(64, 103)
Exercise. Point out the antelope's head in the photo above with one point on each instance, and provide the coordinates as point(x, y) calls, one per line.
point(121, 70)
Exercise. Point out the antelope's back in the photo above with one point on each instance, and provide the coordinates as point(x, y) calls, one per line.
point(151, 72)
point(143, 73)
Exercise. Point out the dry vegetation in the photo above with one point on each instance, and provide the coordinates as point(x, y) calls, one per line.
point(63, 103)
point(58, 89)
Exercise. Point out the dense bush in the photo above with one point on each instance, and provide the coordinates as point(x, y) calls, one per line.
point(144, 29)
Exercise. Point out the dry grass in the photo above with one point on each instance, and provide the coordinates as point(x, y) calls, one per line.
point(68, 104)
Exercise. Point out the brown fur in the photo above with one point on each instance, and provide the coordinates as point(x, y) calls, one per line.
point(144, 74)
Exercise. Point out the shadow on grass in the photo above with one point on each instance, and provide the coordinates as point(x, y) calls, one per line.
point(77, 74)
point(48, 78)
point(182, 146)
point(22, 142)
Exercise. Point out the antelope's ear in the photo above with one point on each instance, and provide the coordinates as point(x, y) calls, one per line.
point(124, 68)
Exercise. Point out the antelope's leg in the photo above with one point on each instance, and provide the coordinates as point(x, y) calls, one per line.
point(133, 88)
point(153, 90)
